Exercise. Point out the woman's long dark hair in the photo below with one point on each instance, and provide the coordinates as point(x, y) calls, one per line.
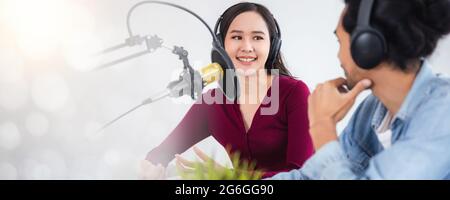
point(232, 12)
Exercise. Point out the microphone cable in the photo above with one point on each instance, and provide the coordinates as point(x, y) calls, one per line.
point(130, 32)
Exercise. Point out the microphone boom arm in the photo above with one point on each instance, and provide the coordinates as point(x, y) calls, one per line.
point(189, 78)
point(186, 80)
point(183, 55)
point(151, 42)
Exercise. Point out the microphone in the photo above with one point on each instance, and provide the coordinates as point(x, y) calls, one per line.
point(211, 73)
point(183, 86)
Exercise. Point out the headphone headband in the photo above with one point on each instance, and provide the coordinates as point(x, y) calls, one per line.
point(365, 10)
point(219, 23)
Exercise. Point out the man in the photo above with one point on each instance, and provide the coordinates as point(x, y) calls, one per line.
point(401, 130)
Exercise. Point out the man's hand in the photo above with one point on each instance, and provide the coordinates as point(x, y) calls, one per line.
point(327, 105)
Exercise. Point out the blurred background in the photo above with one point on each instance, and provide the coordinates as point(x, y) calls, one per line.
point(52, 101)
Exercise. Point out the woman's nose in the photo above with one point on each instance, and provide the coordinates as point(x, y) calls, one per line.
point(247, 46)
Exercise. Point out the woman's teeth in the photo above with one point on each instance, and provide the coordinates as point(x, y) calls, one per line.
point(246, 59)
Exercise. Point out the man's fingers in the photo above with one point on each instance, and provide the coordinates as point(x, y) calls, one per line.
point(359, 87)
point(342, 89)
point(338, 82)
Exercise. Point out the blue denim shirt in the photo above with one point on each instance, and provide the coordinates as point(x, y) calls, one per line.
point(420, 139)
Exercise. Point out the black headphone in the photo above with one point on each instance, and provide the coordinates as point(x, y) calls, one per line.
point(275, 44)
point(368, 45)
point(229, 83)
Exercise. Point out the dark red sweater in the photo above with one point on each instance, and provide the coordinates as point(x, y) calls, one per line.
point(277, 143)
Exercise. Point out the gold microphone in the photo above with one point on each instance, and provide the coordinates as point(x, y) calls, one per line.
point(211, 73)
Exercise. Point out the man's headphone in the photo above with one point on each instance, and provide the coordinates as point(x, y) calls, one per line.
point(275, 44)
point(368, 45)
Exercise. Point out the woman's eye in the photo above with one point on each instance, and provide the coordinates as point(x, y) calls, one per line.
point(258, 38)
point(236, 37)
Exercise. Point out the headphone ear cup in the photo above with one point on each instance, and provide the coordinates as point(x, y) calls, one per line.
point(368, 48)
point(275, 47)
point(229, 83)
point(219, 55)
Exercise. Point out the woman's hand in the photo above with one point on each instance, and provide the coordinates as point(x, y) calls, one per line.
point(150, 171)
point(187, 166)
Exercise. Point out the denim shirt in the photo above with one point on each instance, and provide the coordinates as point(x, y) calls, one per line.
point(420, 139)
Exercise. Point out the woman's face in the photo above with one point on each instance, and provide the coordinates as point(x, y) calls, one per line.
point(247, 42)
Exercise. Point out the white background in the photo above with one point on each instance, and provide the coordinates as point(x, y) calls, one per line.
point(52, 102)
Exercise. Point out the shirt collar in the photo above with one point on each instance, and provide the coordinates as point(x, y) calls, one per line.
point(415, 96)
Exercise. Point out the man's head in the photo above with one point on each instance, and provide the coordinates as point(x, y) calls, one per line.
point(352, 72)
point(411, 28)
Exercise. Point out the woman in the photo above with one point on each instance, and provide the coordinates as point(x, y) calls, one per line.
point(276, 142)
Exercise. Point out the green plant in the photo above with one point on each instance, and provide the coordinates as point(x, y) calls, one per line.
point(242, 170)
